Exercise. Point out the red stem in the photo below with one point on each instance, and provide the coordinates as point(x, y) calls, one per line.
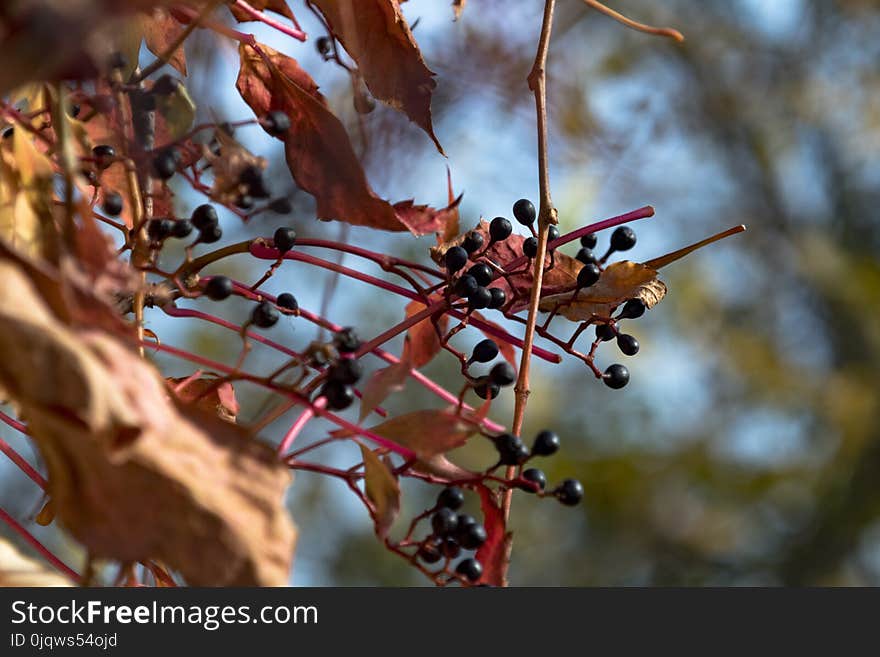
point(20, 461)
point(257, 15)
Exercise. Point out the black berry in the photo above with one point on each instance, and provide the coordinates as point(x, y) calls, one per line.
point(632, 309)
point(159, 229)
point(103, 154)
point(536, 477)
point(570, 492)
point(204, 216)
point(484, 351)
point(165, 165)
point(479, 298)
point(244, 202)
point(112, 203)
point(503, 374)
point(276, 123)
point(546, 443)
point(605, 332)
point(472, 536)
point(482, 273)
point(473, 241)
point(499, 298)
point(589, 241)
point(627, 344)
point(456, 258)
point(264, 315)
point(429, 552)
point(588, 275)
point(500, 229)
point(470, 569)
point(486, 389)
point(530, 247)
point(287, 301)
point(252, 178)
point(281, 205)
point(339, 395)
point(450, 548)
point(444, 522)
point(346, 370)
point(511, 450)
point(524, 212)
point(553, 234)
point(210, 234)
point(218, 288)
point(466, 286)
point(346, 341)
point(323, 46)
point(623, 238)
point(616, 376)
point(182, 228)
point(284, 239)
point(586, 256)
point(451, 497)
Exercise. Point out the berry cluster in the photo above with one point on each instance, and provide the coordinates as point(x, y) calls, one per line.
point(343, 371)
point(452, 532)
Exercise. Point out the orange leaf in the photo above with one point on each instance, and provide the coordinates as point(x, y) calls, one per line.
point(207, 395)
point(382, 490)
point(422, 342)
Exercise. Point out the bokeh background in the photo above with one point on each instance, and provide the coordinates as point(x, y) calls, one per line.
point(746, 449)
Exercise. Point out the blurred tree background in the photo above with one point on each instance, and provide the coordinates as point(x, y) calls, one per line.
point(746, 449)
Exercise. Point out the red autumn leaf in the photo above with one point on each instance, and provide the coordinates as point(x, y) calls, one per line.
point(382, 490)
point(205, 393)
point(381, 384)
point(422, 342)
point(491, 554)
point(427, 432)
point(278, 6)
point(160, 31)
point(378, 38)
point(318, 150)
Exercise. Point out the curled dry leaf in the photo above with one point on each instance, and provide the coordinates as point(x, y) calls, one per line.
point(378, 38)
point(19, 570)
point(160, 31)
point(318, 150)
point(491, 554)
point(619, 282)
point(422, 341)
point(382, 490)
point(208, 394)
point(132, 475)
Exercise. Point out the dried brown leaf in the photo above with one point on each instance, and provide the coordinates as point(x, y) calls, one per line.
point(382, 490)
point(160, 31)
point(382, 383)
point(378, 38)
point(206, 393)
point(427, 432)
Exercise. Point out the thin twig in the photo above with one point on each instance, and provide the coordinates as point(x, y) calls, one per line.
point(641, 27)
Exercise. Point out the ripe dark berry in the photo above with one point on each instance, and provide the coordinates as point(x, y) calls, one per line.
point(117, 60)
point(165, 165)
point(8, 132)
point(536, 477)
point(346, 341)
point(159, 229)
point(466, 286)
point(456, 258)
point(471, 536)
point(182, 228)
point(323, 46)
point(546, 443)
point(281, 205)
point(511, 450)
point(482, 273)
point(530, 247)
point(284, 239)
point(499, 298)
point(553, 234)
point(346, 370)
point(486, 389)
point(588, 275)
point(218, 288)
point(500, 229)
point(589, 241)
point(210, 234)
point(287, 301)
point(451, 497)
point(586, 256)
point(103, 154)
point(252, 178)
point(470, 569)
point(429, 552)
point(605, 332)
point(479, 298)
point(616, 376)
point(339, 395)
point(465, 520)
point(484, 351)
point(503, 374)
point(627, 344)
point(204, 216)
point(112, 203)
point(570, 492)
point(450, 548)
point(472, 241)
point(276, 123)
point(524, 212)
point(623, 238)
point(244, 202)
point(632, 309)
point(264, 315)
point(444, 522)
